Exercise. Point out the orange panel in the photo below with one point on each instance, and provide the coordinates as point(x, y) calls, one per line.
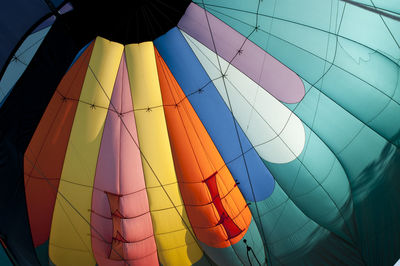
point(218, 213)
point(45, 154)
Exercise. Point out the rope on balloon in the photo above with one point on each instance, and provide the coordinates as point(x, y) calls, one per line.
point(7, 250)
point(73, 207)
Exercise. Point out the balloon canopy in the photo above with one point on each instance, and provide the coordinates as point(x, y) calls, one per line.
point(209, 132)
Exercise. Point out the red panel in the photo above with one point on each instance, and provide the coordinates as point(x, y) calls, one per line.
point(229, 225)
point(117, 245)
point(117, 250)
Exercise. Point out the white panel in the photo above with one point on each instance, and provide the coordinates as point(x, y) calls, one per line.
point(276, 133)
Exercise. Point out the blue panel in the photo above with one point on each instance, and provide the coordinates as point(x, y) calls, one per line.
point(16, 18)
point(17, 66)
point(3, 97)
point(57, 3)
point(215, 116)
point(79, 54)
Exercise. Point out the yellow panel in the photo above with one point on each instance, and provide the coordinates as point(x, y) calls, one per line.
point(70, 237)
point(175, 243)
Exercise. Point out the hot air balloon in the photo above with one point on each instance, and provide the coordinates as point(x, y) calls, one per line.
point(205, 132)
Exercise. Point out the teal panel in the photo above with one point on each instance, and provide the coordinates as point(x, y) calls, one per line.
point(4, 260)
point(238, 254)
point(42, 253)
point(318, 185)
point(343, 190)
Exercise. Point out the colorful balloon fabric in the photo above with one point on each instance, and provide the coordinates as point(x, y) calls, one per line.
point(252, 133)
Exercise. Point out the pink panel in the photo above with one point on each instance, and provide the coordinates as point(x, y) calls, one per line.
point(119, 180)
